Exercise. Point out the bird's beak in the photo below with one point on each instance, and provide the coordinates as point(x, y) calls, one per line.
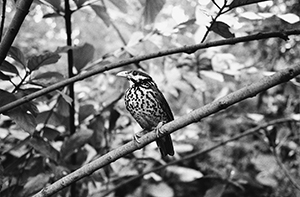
point(122, 74)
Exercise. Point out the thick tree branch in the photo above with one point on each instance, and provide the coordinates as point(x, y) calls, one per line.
point(186, 49)
point(13, 29)
point(194, 116)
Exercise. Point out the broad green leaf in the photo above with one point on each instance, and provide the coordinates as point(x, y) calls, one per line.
point(63, 49)
point(8, 67)
point(49, 118)
point(17, 55)
point(152, 8)
point(6, 97)
point(76, 141)
point(44, 147)
point(222, 29)
point(239, 3)
point(102, 13)
point(35, 62)
point(216, 191)
point(83, 55)
point(63, 107)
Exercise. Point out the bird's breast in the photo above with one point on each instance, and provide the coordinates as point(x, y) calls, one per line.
point(143, 105)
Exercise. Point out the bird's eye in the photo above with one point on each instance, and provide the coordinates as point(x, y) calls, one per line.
point(134, 73)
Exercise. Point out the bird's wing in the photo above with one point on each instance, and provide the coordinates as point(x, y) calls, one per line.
point(164, 105)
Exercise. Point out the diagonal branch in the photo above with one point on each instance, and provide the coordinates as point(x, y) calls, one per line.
point(194, 116)
point(13, 29)
point(185, 49)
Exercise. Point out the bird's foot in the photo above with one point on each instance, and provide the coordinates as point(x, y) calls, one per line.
point(157, 129)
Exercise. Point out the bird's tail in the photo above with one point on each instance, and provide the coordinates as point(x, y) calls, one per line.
point(165, 145)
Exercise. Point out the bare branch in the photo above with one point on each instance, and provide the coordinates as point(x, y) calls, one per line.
point(185, 49)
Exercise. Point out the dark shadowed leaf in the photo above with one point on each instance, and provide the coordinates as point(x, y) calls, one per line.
point(79, 3)
point(77, 140)
point(63, 107)
point(24, 119)
point(35, 183)
point(49, 118)
point(35, 62)
point(152, 8)
point(51, 15)
point(102, 13)
point(239, 3)
point(23, 115)
point(121, 5)
point(54, 3)
point(64, 49)
point(50, 133)
point(44, 147)
point(216, 191)
point(8, 67)
point(4, 76)
point(48, 78)
point(17, 55)
point(114, 116)
point(222, 29)
point(83, 55)
point(85, 111)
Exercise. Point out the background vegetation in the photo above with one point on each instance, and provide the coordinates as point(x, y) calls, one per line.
point(249, 149)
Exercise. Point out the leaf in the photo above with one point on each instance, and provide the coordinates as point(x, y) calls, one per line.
point(8, 67)
point(23, 115)
point(185, 174)
point(48, 78)
point(77, 140)
point(49, 118)
point(79, 3)
point(51, 15)
point(54, 3)
point(239, 3)
point(23, 119)
point(158, 190)
point(85, 111)
point(102, 13)
point(44, 147)
point(83, 55)
point(63, 49)
point(290, 18)
point(216, 191)
point(114, 116)
point(4, 76)
point(152, 8)
point(35, 62)
point(222, 29)
point(17, 55)
point(35, 184)
point(63, 107)
point(121, 5)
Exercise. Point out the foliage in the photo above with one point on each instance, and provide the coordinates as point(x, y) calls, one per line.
point(39, 147)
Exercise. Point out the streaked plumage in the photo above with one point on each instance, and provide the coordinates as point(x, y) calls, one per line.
point(148, 106)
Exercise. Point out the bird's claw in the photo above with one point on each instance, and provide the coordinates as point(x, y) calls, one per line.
point(136, 138)
point(157, 129)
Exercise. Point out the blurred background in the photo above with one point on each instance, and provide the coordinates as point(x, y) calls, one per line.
point(260, 151)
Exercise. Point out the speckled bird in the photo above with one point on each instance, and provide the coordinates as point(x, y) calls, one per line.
point(148, 106)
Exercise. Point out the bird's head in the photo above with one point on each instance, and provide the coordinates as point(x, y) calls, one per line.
point(135, 77)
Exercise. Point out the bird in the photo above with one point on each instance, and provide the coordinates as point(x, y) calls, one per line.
point(148, 106)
